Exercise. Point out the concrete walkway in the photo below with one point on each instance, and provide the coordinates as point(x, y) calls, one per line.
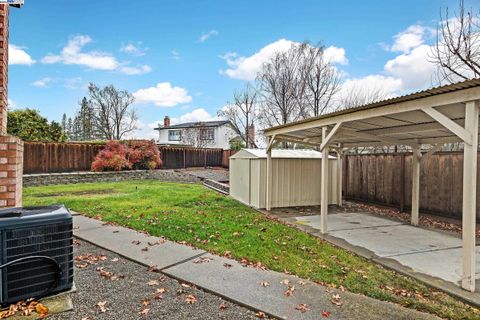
point(431, 256)
point(255, 288)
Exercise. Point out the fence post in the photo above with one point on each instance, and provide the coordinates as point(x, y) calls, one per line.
point(184, 158)
point(402, 181)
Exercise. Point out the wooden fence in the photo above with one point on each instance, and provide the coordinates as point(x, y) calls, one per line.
point(58, 157)
point(67, 157)
point(176, 158)
point(387, 179)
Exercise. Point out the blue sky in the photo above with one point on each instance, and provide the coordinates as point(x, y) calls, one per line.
point(185, 58)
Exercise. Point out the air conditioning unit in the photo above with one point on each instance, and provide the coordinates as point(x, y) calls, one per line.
point(36, 252)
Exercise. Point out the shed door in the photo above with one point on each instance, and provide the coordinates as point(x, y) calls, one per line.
point(240, 180)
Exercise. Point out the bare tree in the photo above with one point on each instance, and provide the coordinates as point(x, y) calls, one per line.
point(322, 81)
point(243, 113)
point(113, 115)
point(281, 87)
point(197, 135)
point(354, 96)
point(457, 49)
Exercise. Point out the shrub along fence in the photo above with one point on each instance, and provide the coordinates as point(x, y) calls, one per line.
point(387, 179)
point(69, 157)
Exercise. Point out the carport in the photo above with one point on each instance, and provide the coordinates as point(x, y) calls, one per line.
point(436, 116)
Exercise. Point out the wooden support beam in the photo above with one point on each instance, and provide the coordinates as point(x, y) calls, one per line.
point(339, 175)
point(448, 123)
point(417, 155)
point(324, 186)
point(295, 140)
point(269, 182)
point(326, 141)
point(271, 141)
point(469, 196)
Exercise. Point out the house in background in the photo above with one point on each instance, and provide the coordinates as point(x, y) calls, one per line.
point(205, 134)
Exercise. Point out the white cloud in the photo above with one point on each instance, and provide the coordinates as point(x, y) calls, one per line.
point(141, 69)
point(143, 131)
point(246, 68)
point(72, 55)
point(76, 83)
point(413, 68)
point(163, 95)
point(336, 55)
point(134, 49)
point(18, 55)
point(11, 104)
point(358, 91)
point(414, 36)
point(42, 83)
point(196, 115)
point(207, 35)
point(175, 55)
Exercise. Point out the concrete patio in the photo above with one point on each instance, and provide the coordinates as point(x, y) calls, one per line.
point(431, 256)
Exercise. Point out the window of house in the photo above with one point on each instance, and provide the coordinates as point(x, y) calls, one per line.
point(206, 134)
point(174, 135)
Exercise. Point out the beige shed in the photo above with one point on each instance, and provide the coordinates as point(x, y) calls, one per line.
point(296, 178)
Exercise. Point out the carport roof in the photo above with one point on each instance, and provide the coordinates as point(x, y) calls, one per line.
point(278, 153)
point(432, 116)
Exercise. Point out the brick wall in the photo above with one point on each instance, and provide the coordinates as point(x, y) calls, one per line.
point(11, 148)
point(43, 179)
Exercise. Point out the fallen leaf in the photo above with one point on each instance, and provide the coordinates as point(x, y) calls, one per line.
point(336, 300)
point(102, 305)
point(144, 312)
point(264, 284)
point(302, 308)
point(190, 299)
point(153, 283)
point(260, 315)
point(285, 282)
point(227, 265)
point(289, 291)
point(136, 242)
point(222, 306)
point(326, 314)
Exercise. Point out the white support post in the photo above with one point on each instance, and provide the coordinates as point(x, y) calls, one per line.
point(268, 196)
point(416, 159)
point(469, 196)
point(339, 176)
point(324, 186)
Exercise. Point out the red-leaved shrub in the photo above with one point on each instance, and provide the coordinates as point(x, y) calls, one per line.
point(135, 154)
point(143, 155)
point(112, 158)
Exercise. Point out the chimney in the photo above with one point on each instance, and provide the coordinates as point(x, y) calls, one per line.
point(251, 136)
point(166, 122)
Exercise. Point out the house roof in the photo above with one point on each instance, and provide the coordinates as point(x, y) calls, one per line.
point(278, 154)
point(217, 123)
point(434, 116)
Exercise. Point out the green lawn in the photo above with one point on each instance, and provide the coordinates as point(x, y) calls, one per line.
point(193, 214)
